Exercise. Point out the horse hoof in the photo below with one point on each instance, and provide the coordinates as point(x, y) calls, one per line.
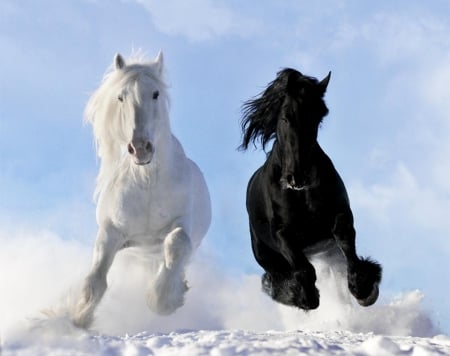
point(167, 294)
point(309, 301)
point(371, 299)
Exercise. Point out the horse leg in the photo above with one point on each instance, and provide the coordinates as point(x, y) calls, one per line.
point(288, 279)
point(166, 293)
point(109, 241)
point(363, 274)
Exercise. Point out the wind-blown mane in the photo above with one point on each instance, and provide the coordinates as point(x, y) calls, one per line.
point(260, 115)
point(106, 116)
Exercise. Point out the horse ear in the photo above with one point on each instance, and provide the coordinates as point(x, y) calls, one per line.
point(324, 83)
point(119, 62)
point(159, 60)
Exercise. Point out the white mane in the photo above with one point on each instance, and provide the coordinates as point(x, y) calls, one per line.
point(106, 115)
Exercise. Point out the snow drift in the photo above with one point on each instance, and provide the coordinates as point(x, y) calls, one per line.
point(41, 272)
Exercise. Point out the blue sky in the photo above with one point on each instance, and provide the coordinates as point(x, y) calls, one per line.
point(388, 130)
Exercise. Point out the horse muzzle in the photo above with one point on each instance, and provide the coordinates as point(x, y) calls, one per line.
point(289, 182)
point(141, 151)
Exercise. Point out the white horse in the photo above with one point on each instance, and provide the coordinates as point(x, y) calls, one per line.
point(149, 194)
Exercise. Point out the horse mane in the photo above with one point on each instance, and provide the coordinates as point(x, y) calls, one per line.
point(105, 114)
point(260, 115)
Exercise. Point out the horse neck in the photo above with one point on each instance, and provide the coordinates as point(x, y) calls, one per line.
point(168, 150)
point(163, 160)
point(273, 161)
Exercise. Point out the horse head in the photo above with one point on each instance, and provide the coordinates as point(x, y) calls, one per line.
point(290, 111)
point(140, 105)
point(300, 115)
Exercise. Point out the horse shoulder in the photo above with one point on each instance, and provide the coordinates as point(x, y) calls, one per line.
point(331, 180)
point(262, 200)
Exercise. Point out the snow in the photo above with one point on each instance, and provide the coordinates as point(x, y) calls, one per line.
point(223, 315)
point(233, 342)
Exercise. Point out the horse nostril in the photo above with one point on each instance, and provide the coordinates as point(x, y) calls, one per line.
point(290, 179)
point(131, 150)
point(148, 147)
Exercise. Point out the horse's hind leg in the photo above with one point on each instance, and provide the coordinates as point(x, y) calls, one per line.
point(108, 242)
point(363, 274)
point(166, 292)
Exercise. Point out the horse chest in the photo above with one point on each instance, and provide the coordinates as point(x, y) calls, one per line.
point(306, 203)
point(143, 207)
point(304, 214)
point(140, 207)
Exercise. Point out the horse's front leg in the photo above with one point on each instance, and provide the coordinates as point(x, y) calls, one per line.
point(109, 241)
point(363, 274)
point(167, 290)
point(300, 282)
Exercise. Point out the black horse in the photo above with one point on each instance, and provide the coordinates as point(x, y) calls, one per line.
point(297, 202)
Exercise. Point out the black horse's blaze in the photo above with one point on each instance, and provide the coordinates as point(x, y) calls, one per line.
point(297, 202)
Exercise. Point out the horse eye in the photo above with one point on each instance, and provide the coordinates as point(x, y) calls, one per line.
point(155, 94)
point(120, 98)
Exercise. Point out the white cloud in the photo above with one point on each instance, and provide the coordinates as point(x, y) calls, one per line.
point(434, 85)
point(401, 197)
point(411, 159)
point(394, 37)
point(380, 200)
point(198, 20)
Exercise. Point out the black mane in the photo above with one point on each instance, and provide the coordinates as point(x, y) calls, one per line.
point(260, 115)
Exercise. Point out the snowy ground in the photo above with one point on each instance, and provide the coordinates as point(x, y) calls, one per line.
point(223, 314)
point(236, 342)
